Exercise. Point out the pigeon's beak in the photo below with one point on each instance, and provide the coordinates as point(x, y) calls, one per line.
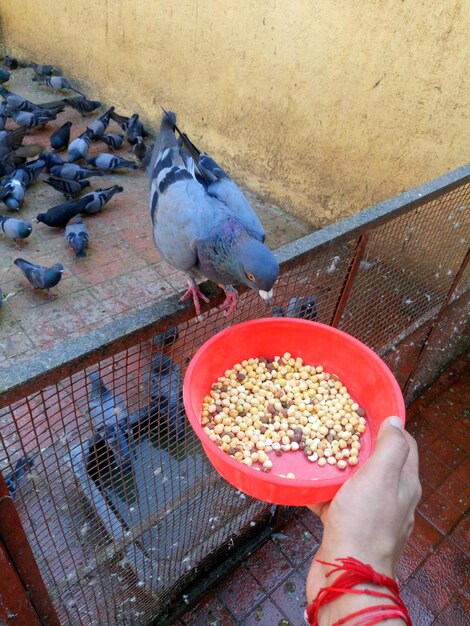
point(267, 296)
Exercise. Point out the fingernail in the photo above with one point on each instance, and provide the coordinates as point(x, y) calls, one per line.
point(395, 421)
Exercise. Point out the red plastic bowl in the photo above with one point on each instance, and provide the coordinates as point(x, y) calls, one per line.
point(368, 379)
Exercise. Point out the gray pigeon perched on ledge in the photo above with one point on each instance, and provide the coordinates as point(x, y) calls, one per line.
point(39, 276)
point(15, 229)
point(202, 223)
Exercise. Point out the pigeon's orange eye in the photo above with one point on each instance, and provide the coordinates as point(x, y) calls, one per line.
point(250, 276)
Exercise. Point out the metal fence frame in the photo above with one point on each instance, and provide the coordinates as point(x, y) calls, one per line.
point(50, 367)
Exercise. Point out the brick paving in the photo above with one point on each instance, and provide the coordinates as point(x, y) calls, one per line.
point(268, 589)
point(122, 271)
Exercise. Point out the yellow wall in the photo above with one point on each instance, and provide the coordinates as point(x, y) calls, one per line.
point(323, 107)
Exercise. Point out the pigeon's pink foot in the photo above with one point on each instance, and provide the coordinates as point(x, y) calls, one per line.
point(196, 294)
point(231, 300)
point(51, 295)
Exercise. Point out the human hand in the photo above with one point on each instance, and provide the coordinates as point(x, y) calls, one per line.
point(372, 515)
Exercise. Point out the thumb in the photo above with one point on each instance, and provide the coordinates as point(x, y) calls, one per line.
point(391, 450)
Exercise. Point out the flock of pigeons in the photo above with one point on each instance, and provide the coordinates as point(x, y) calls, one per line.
point(69, 175)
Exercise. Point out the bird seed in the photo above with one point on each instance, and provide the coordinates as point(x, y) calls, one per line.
point(281, 405)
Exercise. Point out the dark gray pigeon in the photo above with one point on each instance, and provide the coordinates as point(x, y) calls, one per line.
point(140, 149)
point(10, 62)
point(110, 418)
point(61, 137)
point(4, 114)
point(60, 215)
point(203, 224)
point(113, 141)
point(111, 162)
point(77, 235)
point(78, 148)
point(70, 188)
point(95, 200)
point(82, 105)
point(15, 229)
point(39, 276)
point(21, 469)
point(99, 126)
point(4, 76)
point(165, 390)
point(305, 308)
point(132, 125)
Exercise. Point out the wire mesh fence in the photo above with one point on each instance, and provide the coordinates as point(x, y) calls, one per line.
point(121, 508)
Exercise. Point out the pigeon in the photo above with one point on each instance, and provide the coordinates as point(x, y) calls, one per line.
point(202, 223)
point(4, 76)
point(140, 149)
point(61, 137)
point(60, 215)
point(41, 69)
point(16, 102)
point(77, 236)
point(10, 62)
point(82, 105)
point(39, 276)
point(113, 141)
point(166, 338)
point(78, 148)
point(165, 388)
point(98, 127)
point(15, 229)
point(20, 470)
point(29, 172)
point(304, 308)
point(132, 125)
point(12, 139)
point(11, 159)
point(55, 82)
point(4, 115)
point(70, 188)
point(95, 200)
point(29, 120)
point(110, 418)
point(110, 162)
point(72, 171)
point(14, 197)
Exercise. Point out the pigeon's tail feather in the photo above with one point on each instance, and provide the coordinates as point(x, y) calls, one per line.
point(166, 136)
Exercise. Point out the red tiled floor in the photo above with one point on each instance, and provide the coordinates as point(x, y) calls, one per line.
point(266, 614)
point(457, 612)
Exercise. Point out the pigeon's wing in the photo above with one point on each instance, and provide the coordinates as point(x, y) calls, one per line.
point(224, 188)
point(221, 186)
point(34, 273)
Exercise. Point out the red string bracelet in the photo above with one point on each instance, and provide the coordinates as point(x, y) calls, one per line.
point(354, 573)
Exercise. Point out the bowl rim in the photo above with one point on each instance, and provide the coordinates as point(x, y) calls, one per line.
point(268, 477)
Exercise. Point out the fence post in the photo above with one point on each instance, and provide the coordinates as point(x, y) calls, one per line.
point(349, 279)
point(437, 320)
point(19, 551)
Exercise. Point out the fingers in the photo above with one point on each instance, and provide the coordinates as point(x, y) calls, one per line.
point(392, 449)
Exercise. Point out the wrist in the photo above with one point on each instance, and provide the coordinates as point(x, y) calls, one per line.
point(349, 589)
